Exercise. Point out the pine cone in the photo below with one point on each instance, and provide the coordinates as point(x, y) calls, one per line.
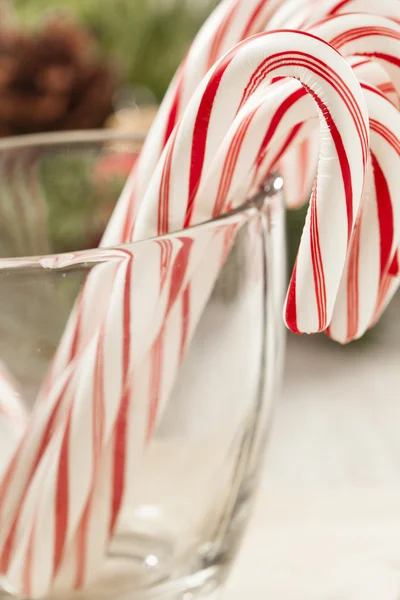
point(52, 80)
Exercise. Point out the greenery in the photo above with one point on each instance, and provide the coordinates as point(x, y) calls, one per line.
point(78, 206)
point(147, 40)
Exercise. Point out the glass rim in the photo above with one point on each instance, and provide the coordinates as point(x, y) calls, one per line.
point(117, 252)
point(59, 138)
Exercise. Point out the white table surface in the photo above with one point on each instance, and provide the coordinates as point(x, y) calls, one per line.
point(327, 521)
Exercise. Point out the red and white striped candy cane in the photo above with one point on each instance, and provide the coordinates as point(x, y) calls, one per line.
point(376, 38)
point(300, 161)
point(377, 235)
point(301, 14)
point(89, 436)
point(176, 225)
point(231, 22)
point(91, 363)
point(298, 14)
point(237, 77)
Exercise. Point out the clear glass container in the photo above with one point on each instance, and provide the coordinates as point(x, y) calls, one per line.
point(192, 457)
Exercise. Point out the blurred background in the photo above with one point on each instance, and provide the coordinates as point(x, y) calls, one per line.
point(57, 55)
point(335, 447)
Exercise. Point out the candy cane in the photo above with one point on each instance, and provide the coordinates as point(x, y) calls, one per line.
point(251, 63)
point(233, 21)
point(297, 14)
point(378, 231)
point(352, 305)
point(74, 442)
point(298, 165)
point(18, 566)
point(37, 487)
point(230, 23)
point(300, 14)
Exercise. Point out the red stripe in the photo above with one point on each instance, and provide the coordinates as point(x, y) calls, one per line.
point(179, 271)
point(360, 63)
point(77, 329)
point(6, 478)
point(377, 127)
point(363, 32)
point(374, 89)
point(98, 395)
point(324, 71)
point(81, 547)
point(165, 260)
point(157, 353)
point(62, 499)
point(386, 89)
point(127, 231)
point(97, 431)
point(277, 119)
point(185, 320)
point(251, 25)
point(174, 111)
point(120, 444)
point(385, 214)
point(215, 50)
point(177, 280)
point(126, 325)
point(395, 266)
point(318, 271)
point(338, 7)
point(8, 545)
point(129, 219)
point(164, 192)
point(27, 572)
point(199, 140)
point(230, 164)
point(352, 285)
point(120, 434)
point(382, 56)
point(291, 305)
